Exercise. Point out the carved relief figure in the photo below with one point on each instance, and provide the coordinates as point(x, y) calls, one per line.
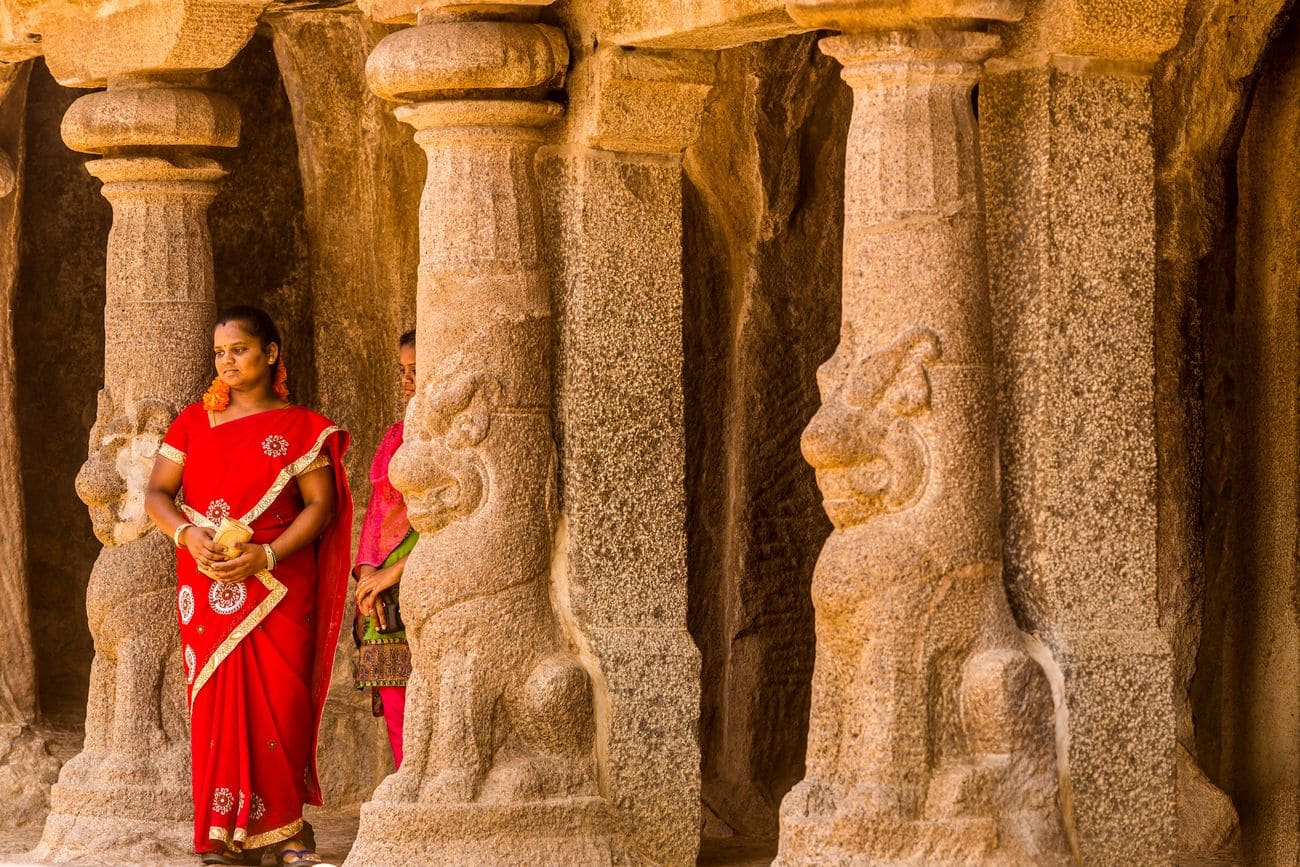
point(135, 726)
point(510, 717)
point(933, 738)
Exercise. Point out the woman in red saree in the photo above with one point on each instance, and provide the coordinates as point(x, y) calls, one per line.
point(258, 625)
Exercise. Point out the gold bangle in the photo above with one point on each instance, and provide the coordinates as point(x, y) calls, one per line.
point(271, 559)
point(176, 534)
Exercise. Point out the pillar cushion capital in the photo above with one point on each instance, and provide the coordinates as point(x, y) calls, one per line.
point(156, 117)
point(854, 16)
point(450, 57)
point(87, 44)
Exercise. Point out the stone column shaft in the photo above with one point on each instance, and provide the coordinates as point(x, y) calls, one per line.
point(128, 793)
point(160, 296)
point(1072, 226)
point(499, 762)
point(921, 686)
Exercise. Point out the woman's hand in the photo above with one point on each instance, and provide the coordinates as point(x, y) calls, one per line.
point(249, 560)
point(370, 585)
point(198, 541)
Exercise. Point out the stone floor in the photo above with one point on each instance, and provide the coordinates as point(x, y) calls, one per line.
point(335, 831)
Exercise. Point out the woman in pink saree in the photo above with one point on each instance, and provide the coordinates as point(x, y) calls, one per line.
point(384, 659)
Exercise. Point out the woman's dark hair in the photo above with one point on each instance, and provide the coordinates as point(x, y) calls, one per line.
point(408, 339)
point(256, 322)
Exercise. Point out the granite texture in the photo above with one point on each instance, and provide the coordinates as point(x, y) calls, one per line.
point(761, 258)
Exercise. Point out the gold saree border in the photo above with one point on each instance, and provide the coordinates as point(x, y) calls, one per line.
point(278, 590)
point(227, 647)
point(287, 474)
point(171, 453)
point(241, 838)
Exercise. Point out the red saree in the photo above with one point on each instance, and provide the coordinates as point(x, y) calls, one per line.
point(258, 654)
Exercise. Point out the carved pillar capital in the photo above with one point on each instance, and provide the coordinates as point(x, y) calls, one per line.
point(158, 116)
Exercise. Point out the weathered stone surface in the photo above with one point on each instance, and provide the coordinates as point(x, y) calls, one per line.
point(17, 656)
point(1245, 675)
point(695, 24)
point(1201, 92)
point(26, 767)
point(1098, 32)
point(60, 302)
point(614, 220)
point(763, 214)
point(855, 16)
point(500, 728)
point(87, 45)
point(1139, 501)
point(930, 737)
point(361, 178)
point(1073, 275)
point(27, 770)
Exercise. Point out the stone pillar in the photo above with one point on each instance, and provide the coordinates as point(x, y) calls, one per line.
point(26, 767)
point(128, 793)
point(614, 196)
point(1099, 495)
point(500, 753)
point(930, 738)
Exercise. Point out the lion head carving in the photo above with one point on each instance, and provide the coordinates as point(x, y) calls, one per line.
point(438, 469)
point(123, 445)
point(862, 442)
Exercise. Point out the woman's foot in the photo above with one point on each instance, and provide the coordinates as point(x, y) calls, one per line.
point(295, 851)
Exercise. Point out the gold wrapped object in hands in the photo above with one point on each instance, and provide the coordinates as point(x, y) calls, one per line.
point(230, 532)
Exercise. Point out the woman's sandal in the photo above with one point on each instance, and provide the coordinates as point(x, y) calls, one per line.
point(300, 856)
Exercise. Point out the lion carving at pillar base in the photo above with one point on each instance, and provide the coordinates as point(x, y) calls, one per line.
point(931, 738)
point(499, 711)
point(135, 715)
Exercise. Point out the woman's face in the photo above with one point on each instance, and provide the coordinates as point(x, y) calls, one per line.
point(406, 365)
point(241, 360)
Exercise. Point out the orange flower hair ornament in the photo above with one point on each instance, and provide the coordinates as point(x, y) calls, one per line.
point(281, 386)
point(217, 397)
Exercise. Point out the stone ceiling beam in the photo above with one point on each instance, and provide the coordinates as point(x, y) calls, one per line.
point(694, 24)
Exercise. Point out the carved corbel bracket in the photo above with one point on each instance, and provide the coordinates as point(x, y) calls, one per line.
point(89, 44)
point(640, 100)
point(1112, 38)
